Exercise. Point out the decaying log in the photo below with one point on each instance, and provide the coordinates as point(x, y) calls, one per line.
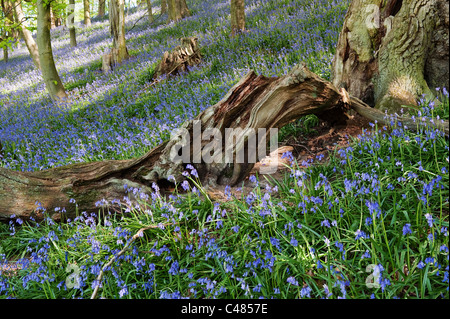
point(255, 102)
point(179, 59)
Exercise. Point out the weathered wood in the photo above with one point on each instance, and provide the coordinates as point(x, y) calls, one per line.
point(179, 59)
point(107, 62)
point(254, 102)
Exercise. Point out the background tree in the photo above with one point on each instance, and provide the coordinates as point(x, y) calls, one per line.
point(49, 73)
point(177, 9)
point(101, 8)
point(71, 23)
point(117, 24)
point(87, 13)
point(25, 33)
point(163, 6)
point(237, 16)
point(6, 26)
point(58, 9)
point(149, 11)
point(119, 51)
point(391, 52)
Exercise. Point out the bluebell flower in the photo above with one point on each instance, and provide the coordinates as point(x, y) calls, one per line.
point(366, 255)
point(292, 281)
point(174, 268)
point(123, 291)
point(360, 234)
point(294, 242)
point(305, 292)
point(325, 223)
point(407, 229)
point(429, 218)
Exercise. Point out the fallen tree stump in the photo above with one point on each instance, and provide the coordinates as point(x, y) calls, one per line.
point(255, 102)
point(179, 59)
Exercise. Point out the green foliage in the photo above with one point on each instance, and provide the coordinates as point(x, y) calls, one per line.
point(302, 126)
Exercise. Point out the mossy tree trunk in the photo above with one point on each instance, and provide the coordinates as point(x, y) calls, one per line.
point(391, 52)
point(237, 16)
point(7, 16)
point(119, 51)
point(101, 8)
point(177, 9)
point(71, 23)
point(49, 73)
point(149, 11)
point(87, 13)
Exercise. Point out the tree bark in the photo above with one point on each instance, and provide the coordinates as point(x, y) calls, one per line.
point(52, 19)
point(163, 6)
point(101, 8)
point(179, 59)
point(87, 13)
point(26, 34)
point(5, 33)
point(237, 16)
point(71, 23)
point(149, 11)
point(177, 9)
point(119, 51)
point(391, 52)
point(48, 68)
point(5, 48)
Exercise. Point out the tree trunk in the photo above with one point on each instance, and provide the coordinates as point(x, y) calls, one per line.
point(117, 22)
point(177, 9)
point(119, 51)
point(71, 23)
point(149, 11)
point(48, 68)
point(52, 19)
point(101, 8)
point(5, 33)
point(26, 34)
point(237, 16)
point(163, 6)
point(58, 15)
point(391, 52)
point(87, 13)
point(5, 47)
